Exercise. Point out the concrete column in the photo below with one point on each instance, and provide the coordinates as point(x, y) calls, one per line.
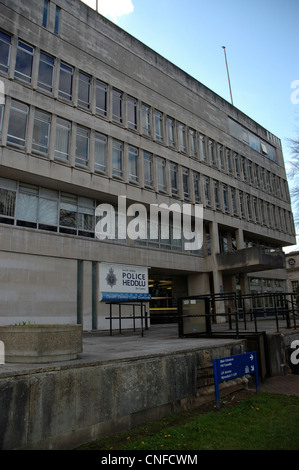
point(198, 284)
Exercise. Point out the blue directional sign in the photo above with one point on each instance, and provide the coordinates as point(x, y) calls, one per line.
point(227, 368)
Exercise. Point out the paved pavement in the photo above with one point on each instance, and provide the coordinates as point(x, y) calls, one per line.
point(283, 384)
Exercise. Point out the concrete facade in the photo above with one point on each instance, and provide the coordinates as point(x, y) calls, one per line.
point(90, 113)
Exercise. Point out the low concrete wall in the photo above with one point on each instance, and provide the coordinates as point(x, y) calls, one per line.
point(64, 406)
point(41, 343)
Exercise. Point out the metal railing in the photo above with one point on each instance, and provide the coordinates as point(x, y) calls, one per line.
point(242, 313)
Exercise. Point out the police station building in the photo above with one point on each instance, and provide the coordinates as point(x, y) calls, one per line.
point(91, 119)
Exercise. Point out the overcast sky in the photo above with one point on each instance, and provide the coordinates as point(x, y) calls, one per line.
point(262, 46)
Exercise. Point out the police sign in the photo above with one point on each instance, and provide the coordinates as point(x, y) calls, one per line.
point(228, 368)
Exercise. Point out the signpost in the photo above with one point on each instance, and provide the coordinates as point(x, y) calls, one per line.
point(228, 368)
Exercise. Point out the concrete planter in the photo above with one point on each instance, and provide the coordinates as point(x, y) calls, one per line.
point(41, 343)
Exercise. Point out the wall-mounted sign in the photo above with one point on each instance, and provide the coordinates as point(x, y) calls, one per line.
point(120, 282)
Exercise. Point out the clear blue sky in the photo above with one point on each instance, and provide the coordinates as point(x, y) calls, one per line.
point(262, 46)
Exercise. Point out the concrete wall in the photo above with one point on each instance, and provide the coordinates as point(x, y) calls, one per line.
point(63, 407)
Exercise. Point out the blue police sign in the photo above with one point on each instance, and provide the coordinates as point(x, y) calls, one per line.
point(228, 368)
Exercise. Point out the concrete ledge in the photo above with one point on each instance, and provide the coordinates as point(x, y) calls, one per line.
point(41, 343)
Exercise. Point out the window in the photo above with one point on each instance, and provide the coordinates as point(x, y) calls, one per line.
point(66, 82)
point(220, 156)
point(82, 146)
point(216, 195)
point(196, 182)
point(45, 72)
point(85, 217)
point(117, 158)
point(229, 161)
point(133, 164)
point(24, 62)
point(46, 13)
point(1, 118)
point(101, 98)
point(68, 213)
point(225, 198)
point(117, 110)
point(249, 210)
point(100, 152)
point(148, 169)
point(27, 206)
point(146, 120)
point(63, 136)
point(174, 179)
point(212, 153)
point(202, 148)
point(84, 90)
point(17, 126)
point(171, 132)
point(186, 183)
point(48, 209)
point(158, 126)
point(132, 113)
point(7, 201)
point(192, 143)
point(161, 174)
point(182, 137)
point(57, 20)
point(295, 286)
point(234, 201)
point(41, 131)
point(207, 190)
point(244, 168)
point(241, 201)
point(5, 46)
point(237, 167)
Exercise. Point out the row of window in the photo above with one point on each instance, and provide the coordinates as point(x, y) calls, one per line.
point(104, 101)
point(41, 208)
point(114, 158)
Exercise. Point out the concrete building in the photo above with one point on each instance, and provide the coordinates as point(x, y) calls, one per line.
point(89, 114)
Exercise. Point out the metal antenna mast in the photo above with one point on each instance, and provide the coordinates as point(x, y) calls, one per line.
point(230, 90)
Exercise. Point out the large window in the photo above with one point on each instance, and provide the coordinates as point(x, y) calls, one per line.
point(197, 191)
point(133, 164)
point(46, 13)
point(146, 120)
point(158, 126)
point(57, 20)
point(24, 62)
point(101, 98)
point(66, 82)
point(182, 137)
point(117, 106)
point(45, 72)
point(82, 146)
point(132, 113)
point(117, 158)
point(17, 126)
point(63, 136)
point(148, 169)
point(84, 90)
point(5, 45)
point(186, 183)
point(192, 143)
point(100, 152)
point(27, 207)
point(7, 201)
point(171, 132)
point(174, 179)
point(41, 131)
point(161, 174)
